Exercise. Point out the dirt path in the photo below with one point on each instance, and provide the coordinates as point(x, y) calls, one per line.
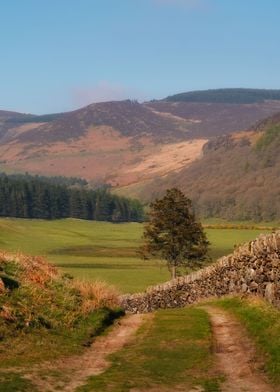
point(69, 373)
point(236, 355)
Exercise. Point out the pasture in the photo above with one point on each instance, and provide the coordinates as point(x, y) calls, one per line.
point(101, 250)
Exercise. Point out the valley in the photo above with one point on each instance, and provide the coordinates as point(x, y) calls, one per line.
point(105, 251)
point(124, 143)
point(141, 149)
point(140, 196)
point(224, 156)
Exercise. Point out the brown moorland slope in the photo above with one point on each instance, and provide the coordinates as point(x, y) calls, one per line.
point(237, 176)
point(207, 119)
point(121, 143)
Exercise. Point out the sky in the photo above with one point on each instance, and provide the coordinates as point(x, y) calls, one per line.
point(58, 55)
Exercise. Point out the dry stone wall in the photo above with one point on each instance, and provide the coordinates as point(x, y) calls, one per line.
point(252, 268)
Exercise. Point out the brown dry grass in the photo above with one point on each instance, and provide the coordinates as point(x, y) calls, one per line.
point(170, 157)
point(36, 271)
point(252, 136)
point(31, 269)
point(160, 161)
point(102, 154)
point(46, 294)
point(96, 295)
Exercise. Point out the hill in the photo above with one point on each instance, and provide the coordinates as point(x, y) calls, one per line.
point(236, 178)
point(210, 119)
point(121, 143)
point(227, 95)
point(7, 118)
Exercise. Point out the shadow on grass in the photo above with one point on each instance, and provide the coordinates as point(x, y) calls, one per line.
point(107, 266)
point(95, 251)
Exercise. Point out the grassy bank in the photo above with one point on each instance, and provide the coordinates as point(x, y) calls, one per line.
point(262, 322)
point(26, 350)
point(100, 250)
point(44, 314)
point(172, 349)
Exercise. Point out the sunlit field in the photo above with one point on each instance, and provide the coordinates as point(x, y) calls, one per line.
point(101, 250)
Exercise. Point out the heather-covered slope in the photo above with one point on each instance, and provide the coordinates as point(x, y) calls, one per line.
point(237, 177)
point(124, 142)
point(210, 119)
point(227, 95)
point(105, 142)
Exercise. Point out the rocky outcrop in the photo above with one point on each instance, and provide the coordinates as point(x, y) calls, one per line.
point(252, 268)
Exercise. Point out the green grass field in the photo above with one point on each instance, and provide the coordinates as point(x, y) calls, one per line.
point(100, 250)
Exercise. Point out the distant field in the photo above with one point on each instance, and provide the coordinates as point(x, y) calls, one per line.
point(101, 250)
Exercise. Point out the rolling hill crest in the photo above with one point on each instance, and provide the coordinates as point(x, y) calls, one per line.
point(138, 148)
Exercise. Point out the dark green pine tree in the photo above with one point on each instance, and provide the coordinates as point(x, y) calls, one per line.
point(102, 207)
point(76, 206)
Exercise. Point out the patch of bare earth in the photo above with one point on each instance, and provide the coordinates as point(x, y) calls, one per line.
point(236, 356)
point(160, 161)
point(69, 373)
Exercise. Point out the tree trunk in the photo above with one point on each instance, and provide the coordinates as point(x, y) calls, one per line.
point(173, 271)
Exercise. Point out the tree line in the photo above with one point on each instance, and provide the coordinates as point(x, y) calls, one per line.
point(76, 182)
point(36, 197)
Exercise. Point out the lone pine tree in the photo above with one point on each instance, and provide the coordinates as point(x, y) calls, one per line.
point(173, 233)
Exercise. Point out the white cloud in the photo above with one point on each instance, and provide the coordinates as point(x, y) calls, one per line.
point(104, 91)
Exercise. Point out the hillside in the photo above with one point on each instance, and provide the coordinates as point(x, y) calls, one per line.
point(123, 142)
point(227, 95)
point(210, 119)
point(7, 118)
point(233, 177)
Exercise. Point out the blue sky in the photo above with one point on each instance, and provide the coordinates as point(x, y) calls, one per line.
point(57, 55)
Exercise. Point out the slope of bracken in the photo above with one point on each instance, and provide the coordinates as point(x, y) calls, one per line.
point(123, 142)
point(233, 176)
point(38, 302)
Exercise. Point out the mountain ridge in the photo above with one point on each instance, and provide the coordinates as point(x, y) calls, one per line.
point(124, 144)
point(227, 95)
